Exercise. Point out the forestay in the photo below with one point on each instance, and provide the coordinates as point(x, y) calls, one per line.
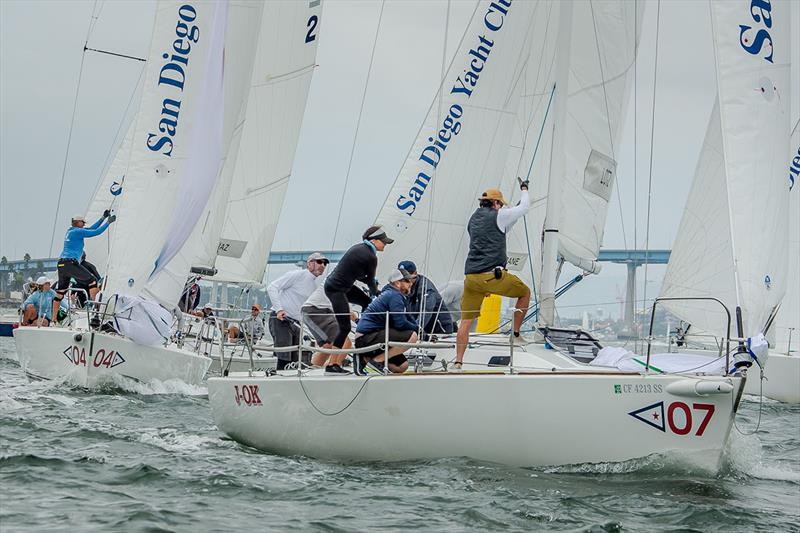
point(752, 52)
point(263, 152)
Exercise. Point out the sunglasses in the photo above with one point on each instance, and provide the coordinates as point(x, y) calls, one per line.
point(255, 309)
point(321, 261)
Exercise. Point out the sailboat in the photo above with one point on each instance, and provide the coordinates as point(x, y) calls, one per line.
point(541, 405)
point(169, 180)
point(741, 260)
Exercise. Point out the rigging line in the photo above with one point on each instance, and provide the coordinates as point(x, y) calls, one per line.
point(116, 54)
point(71, 127)
point(358, 125)
point(426, 258)
point(527, 177)
point(608, 122)
point(652, 135)
point(635, 142)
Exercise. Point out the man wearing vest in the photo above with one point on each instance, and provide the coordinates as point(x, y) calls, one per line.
point(485, 268)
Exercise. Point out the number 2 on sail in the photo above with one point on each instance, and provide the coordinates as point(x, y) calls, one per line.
point(311, 25)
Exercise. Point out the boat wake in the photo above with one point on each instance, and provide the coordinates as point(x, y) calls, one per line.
point(153, 387)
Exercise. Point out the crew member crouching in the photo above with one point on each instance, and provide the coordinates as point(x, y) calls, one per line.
point(371, 328)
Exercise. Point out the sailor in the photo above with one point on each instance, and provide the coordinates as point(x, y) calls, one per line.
point(371, 328)
point(253, 326)
point(435, 316)
point(485, 267)
point(39, 304)
point(69, 262)
point(318, 316)
point(29, 288)
point(287, 294)
point(359, 263)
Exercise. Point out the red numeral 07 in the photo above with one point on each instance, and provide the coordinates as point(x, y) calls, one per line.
point(708, 408)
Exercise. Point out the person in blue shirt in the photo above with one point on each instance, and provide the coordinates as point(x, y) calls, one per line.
point(402, 328)
point(39, 304)
point(69, 262)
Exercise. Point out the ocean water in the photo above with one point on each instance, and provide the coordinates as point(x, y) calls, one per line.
point(147, 457)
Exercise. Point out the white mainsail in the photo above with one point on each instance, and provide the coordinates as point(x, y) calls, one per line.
point(462, 144)
point(176, 150)
point(510, 119)
point(267, 139)
point(241, 33)
point(748, 238)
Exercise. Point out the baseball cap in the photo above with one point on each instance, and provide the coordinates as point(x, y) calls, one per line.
point(207, 306)
point(398, 274)
point(75, 218)
point(41, 280)
point(493, 194)
point(408, 266)
point(376, 232)
point(257, 306)
point(316, 256)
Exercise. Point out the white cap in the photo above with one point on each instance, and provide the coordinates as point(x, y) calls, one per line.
point(316, 256)
point(398, 274)
point(78, 217)
point(41, 280)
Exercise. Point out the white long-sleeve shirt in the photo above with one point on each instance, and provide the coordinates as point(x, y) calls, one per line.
point(508, 216)
point(290, 291)
point(318, 298)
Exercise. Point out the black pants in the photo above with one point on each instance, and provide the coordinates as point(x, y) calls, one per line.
point(71, 269)
point(284, 333)
point(341, 308)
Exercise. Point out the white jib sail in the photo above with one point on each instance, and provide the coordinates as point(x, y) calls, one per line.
point(462, 144)
point(176, 150)
point(604, 40)
point(285, 61)
point(752, 54)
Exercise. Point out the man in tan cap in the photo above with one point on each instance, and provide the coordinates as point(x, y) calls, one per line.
point(485, 268)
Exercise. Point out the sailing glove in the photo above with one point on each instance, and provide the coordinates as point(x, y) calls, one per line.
point(106, 213)
point(112, 219)
point(523, 185)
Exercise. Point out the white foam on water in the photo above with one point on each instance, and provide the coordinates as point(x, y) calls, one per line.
point(170, 386)
point(745, 454)
point(173, 441)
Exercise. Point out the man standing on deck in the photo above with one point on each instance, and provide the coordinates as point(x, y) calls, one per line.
point(485, 268)
point(69, 265)
point(359, 263)
point(288, 293)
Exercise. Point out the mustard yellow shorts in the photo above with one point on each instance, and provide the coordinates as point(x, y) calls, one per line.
point(478, 286)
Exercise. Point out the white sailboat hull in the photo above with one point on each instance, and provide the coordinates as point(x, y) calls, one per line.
point(781, 379)
point(528, 419)
point(90, 359)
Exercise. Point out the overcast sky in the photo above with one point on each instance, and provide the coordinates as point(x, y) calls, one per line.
point(39, 76)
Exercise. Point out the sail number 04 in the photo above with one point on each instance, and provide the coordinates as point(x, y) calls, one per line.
point(311, 25)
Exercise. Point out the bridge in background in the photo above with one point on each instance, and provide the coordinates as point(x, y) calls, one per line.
point(632, 258)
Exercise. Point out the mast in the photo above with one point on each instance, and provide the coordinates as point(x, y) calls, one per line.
point(550, 245)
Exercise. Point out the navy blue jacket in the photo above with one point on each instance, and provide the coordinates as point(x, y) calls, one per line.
point(374, 317)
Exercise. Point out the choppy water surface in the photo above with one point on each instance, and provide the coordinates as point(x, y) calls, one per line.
point(150, 459)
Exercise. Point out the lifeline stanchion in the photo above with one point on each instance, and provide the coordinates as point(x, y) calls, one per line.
point(386, 349)
point(514, 311)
